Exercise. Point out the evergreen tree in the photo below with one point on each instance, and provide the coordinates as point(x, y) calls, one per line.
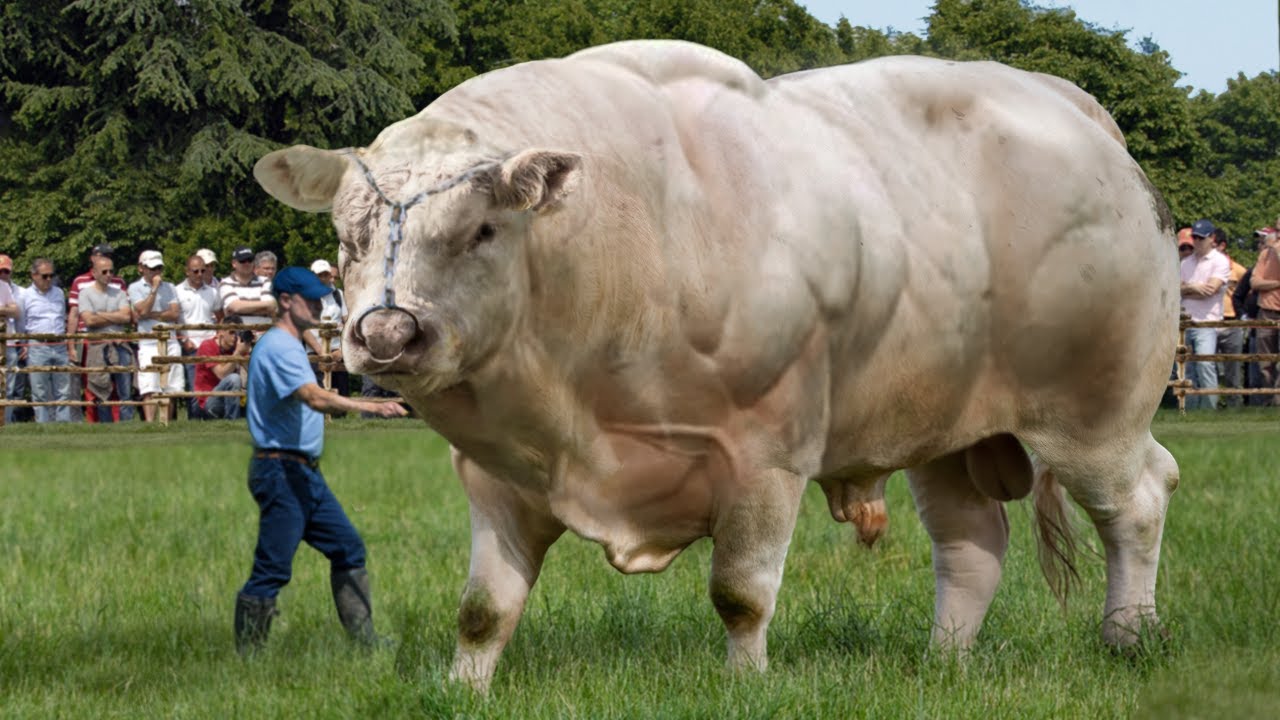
point(136, 122)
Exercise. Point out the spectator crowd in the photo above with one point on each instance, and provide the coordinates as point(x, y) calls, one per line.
point(1215, 287)
point(98, 302)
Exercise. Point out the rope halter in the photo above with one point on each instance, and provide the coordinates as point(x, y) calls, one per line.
point(396, 230)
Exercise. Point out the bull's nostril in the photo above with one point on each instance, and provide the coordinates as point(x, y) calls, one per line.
point(386, 332)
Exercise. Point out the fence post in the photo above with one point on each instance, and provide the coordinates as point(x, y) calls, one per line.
point(1180, 391)
point(4, 375)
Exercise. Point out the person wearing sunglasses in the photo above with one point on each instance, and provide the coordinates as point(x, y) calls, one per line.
point(75, 324)
point(104, 308)
point(244, 293)
point(44, 310)
point(201, 305)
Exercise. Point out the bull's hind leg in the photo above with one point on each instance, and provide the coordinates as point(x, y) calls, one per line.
point(970, 533)
point(751, 540)
point(1125, 488)
point(510, 535)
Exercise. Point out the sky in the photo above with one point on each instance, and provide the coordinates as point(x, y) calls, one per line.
point(1207, 41)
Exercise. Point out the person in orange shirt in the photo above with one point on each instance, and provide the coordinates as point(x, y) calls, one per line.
point(1266, 283)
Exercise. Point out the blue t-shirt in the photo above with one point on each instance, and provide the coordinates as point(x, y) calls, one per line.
point(277, 418)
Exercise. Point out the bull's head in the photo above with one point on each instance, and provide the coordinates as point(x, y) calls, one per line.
point(457, 281)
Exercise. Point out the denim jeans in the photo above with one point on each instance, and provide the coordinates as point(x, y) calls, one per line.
point(16, 384)
point(193, 403)
point(295, 504)
point(48, 387)
point(1203, 375)
point(224, 408)
point(118, 354)
point(1230, 341)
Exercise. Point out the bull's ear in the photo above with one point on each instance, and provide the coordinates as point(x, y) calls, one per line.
point(537, 179)
point(302, 177)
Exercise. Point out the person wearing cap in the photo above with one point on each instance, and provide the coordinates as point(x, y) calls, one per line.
point(76, 325)
point(155, 301)
point(295, 503)
point(1204, 283)
point(1186, 245)
point(210, 261)
point(334, 311)
point(44, 311)
point(244, 293)
point(1265, 281)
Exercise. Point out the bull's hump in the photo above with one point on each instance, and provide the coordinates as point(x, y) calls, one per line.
point(664, 62)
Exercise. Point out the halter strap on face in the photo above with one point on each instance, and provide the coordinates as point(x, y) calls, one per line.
point(396, 227)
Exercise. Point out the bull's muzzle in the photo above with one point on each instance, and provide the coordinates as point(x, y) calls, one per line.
point(388, 332)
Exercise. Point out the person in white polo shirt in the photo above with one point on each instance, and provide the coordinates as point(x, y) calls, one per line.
point(156, 301)
point(201, 305)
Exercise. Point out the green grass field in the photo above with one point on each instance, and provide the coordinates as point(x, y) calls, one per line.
point(125, 547)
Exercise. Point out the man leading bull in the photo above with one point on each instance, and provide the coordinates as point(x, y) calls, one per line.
point(295, 503)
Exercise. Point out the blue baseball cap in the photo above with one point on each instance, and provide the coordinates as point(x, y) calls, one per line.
point(299, 281)
point(1201, 228)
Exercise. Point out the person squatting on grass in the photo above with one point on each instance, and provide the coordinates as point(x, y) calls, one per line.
point(294, 501)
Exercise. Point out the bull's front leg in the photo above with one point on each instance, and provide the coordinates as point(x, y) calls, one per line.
point(751, 537)
point(511, 531)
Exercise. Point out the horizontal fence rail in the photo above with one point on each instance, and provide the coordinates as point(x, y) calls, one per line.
point(159, 363)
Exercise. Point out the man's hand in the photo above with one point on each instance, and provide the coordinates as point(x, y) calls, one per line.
point(383, 409)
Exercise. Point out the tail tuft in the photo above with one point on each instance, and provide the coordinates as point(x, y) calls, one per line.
point(1057, 546)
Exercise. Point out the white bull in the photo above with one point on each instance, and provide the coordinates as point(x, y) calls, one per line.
point(646, 296)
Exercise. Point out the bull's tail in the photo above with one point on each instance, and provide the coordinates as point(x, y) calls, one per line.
point(1057, 545)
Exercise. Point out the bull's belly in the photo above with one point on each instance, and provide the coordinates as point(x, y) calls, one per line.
point(657, 498)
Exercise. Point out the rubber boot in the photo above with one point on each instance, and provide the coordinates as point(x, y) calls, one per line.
point(355, 606)
point(253, 622)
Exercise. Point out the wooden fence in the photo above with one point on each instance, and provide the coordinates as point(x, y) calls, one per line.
point(160, 363)
point(1182, 387)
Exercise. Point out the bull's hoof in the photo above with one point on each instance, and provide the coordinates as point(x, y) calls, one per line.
point(1146, 638)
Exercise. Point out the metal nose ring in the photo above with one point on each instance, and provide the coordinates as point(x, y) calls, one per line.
point(359, 332)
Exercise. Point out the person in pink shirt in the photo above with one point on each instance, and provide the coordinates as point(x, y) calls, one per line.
point(1205, 273)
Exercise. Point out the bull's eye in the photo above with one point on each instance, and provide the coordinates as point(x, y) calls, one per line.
point(485, 233)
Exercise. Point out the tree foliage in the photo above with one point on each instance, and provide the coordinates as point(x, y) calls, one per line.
point(136, 122)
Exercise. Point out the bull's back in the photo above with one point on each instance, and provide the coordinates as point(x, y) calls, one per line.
point(1019, 246)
